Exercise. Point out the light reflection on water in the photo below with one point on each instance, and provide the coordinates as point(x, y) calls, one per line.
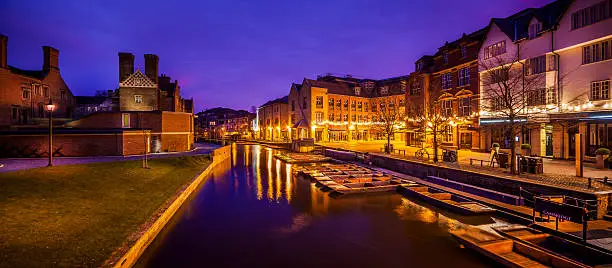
point(232, 223)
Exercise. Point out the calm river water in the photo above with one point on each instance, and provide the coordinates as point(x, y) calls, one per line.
point(253, 212)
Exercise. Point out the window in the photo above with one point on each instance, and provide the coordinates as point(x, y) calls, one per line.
point(345, 117)
point(403, 85)
point(596, 52)
point(319, 117)
point(353, 118)
point(319, 101)
point(534, 30)
point(36, 90)
point(384, 90)
point(447, 80)
point(330, 118)
point(125, 123)
point(353, 105)
point(138, 98)
point(360, 106)
point(62, 94)
point(445, 58)
point(292, 105)
point(464, 76)
point(25, 93)
point(600, 90)
point(338, 118)
point(391, 104)
point(345, 104)
point(366, 106)
point(338, 104)
point(331, 103)
point(591, 15)
point(465, 106)
point(15, 113)
point(374, 107)
point(401, 102)
point(447, 134)
point(463, 51)
point(447, 107)
point(382, 105)
point(541, 96)
point(304, 103)
point(495, 49)
point(46, 91)
point(498, 75)
point(360, 118)
point(536, 65)
point(357, 91)
point(415, 87)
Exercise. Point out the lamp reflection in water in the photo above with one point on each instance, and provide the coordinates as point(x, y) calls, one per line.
point(288, 182)
point(278, 180)
point(258, 172)
point(270, 190)
point(409, 210)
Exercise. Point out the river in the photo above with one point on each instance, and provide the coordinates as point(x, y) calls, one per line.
point(252, 212)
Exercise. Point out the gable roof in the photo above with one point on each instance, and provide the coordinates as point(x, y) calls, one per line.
point(284, 100)
point(36, 74)
point(138, 79)
point(516, 26)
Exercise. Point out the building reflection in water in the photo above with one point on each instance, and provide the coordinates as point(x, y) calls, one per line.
point(258, 172)
point(409, 210)
point(270, 190)
point(288, 184)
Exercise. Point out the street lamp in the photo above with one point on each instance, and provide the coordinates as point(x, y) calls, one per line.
point(50, 107)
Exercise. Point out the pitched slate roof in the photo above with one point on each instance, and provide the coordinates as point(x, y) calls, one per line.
point(516, 26)
point(284, 99)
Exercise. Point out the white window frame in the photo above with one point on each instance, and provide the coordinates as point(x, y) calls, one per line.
point(137, 98)
point(600, 90)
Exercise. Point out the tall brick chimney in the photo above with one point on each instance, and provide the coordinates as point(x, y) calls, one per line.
point(126, 65)
point(50, 59)
point(151, 66)
point(3, 53)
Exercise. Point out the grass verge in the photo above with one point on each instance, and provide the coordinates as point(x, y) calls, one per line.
point(77, 215)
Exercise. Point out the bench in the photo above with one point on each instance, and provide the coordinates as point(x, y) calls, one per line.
point(474, 159)
point(400, 150)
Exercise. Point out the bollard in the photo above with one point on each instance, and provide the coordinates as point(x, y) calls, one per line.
point(590, 182)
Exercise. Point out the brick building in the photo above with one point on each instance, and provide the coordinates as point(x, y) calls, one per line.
point(273, 120)
point(333, 108)
point(23, 93)
point(449, 79)
point(221, 122)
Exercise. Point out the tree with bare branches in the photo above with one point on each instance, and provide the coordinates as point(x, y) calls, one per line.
point(389, 121)
point(430, 119)
point(513, 91)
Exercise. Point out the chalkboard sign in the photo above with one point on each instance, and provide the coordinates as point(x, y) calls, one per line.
point(492, 156)
point(559, 210)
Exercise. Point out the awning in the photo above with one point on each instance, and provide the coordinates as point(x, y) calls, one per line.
point(302, 124)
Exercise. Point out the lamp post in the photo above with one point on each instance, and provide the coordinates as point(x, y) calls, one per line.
point(50, 107)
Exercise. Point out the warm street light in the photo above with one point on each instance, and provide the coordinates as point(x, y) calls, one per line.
point(50, 107)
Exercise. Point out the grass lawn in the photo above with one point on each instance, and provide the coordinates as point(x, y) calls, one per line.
point(77, 215)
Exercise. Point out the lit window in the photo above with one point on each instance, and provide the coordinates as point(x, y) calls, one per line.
point(465, 106)
point(125, 123)
point(600, 90)
point(25, 93)
point(495, 49)
point(447, 107)
point(319, 117)
point(384, 90)
point(319, 101)
point(357, 91)
point(138, 98)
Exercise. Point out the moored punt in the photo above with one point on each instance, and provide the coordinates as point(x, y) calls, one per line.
point(508, 252)
point(557, 245)
point(300, 158)
point(447, 200)
point(374, 187)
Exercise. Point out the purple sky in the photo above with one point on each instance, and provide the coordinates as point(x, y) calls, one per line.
point(236, 53)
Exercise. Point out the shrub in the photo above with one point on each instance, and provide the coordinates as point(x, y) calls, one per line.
point(495, 144)
point(602, 151)
point(525, 146)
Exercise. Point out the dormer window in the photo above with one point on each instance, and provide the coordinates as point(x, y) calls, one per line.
point(445, 58)
point(534, 30)
point(419, 66)
point(384, 90)
point(357, 91)
point(463, 51)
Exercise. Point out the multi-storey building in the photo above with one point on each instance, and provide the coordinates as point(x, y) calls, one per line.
point(565, 48)
point(24, 93)
point(273, 120)
point(220, 122)
point(333, 108)
point(449, 80)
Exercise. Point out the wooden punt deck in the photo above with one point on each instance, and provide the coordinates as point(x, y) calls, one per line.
point(446, 200)
point(508, 252)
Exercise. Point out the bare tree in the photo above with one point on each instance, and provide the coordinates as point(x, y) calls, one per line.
point(389, 121)
point(513, 91)
point(430, 119)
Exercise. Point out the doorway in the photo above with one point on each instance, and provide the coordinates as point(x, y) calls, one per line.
point(549, 144)
point(572, 142)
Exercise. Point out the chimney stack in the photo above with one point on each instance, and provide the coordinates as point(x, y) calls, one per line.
point(51, 59)
point(151, 66)
point(126, 65)
point(3, 53)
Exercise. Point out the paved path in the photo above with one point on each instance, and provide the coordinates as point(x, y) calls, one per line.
point(556, 172)
point(13, 164)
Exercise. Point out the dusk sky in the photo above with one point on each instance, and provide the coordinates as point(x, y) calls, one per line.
point(236, 53)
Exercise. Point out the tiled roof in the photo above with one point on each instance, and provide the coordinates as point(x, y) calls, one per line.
point(284, 99)
point(37, 74)
point(516, 26)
